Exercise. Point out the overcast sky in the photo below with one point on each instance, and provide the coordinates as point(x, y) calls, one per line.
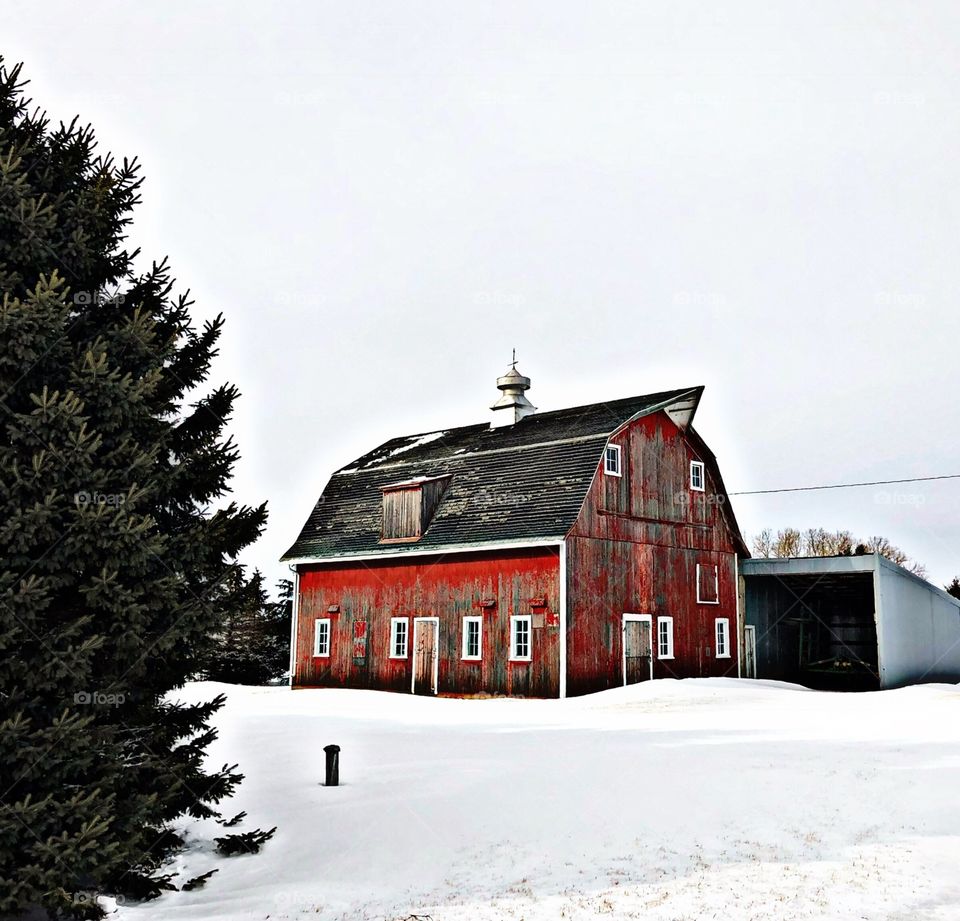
point(385, 198)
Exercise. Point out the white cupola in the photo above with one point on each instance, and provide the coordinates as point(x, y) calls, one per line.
point(512, 405)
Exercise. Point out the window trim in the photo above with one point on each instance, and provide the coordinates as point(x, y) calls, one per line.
point(317, 654)
point(514, 621)
point(394, 621)
point(619, 454)
point(667, 621)
point(701, 467)
point(471, 619)
point(725, 623)
point(716, 582)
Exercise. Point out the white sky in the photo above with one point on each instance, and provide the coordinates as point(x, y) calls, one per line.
point(385, 198)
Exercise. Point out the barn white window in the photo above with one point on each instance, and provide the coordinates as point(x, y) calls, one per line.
point(697, 479)
point(723, 638)
point(664, 637)
point(708, 585)
point(321, 637)
point(398, 637)
point(613, 461)
point(473, 638)
point(520, 638)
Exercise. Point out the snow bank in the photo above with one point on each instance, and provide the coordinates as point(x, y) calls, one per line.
point(713, 798)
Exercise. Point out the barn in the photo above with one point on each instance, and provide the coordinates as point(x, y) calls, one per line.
point(535, 554)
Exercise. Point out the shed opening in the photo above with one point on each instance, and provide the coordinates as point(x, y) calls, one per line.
point(818, 629)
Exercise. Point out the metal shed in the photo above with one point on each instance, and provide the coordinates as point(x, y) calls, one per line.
point(847, 623)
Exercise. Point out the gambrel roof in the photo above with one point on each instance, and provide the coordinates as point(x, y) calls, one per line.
point(526, 482)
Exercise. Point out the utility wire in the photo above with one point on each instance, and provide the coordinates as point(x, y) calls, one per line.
point(916, 479)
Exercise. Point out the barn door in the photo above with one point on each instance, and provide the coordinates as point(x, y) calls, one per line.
point(426, 654)
point(637, 648)
point(749, 652)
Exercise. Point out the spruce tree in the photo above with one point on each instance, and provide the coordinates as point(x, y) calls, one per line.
point(116, 538)
point(252, 645)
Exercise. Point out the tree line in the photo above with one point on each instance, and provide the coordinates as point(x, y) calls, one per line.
point(791, 542)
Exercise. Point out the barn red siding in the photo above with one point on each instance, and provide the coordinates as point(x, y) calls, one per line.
point(445, 586)
point(635, 548)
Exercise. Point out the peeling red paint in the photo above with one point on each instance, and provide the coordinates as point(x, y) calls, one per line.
point(449, 587)
point(635, 548)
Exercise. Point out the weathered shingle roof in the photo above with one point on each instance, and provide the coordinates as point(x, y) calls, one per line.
point(520, 483)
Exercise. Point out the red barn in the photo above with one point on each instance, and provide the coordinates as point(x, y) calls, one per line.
point(541, 554)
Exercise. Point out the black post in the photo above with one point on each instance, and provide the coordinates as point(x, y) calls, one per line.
point(333, 765)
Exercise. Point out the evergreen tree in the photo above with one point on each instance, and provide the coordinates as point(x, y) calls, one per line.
point(112, 563)
point(954, 587)
point(252, 645)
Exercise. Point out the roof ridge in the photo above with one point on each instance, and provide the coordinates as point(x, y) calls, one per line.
point(639, 396)
point(509, 450)
point(549, 412)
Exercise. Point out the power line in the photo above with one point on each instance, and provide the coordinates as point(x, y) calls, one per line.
point(916, 479)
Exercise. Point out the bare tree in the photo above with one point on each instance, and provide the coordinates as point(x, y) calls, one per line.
point(790, 542)
point(892, 552)
point(818, 542)
point(763, 544)
point(843, 543)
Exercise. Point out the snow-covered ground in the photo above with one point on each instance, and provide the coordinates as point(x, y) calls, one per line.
point(708, 799)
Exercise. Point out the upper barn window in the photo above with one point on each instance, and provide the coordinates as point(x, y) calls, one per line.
point(696, 476)
point(409, 507)
point(613, 460)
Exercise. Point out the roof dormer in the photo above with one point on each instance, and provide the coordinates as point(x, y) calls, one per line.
point(409, 507)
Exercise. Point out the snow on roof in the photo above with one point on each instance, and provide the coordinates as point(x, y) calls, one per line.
point(415, 441)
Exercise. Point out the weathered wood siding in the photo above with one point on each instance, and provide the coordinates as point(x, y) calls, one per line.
point(402, 513)
point(448, 587)
point(635, 549)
